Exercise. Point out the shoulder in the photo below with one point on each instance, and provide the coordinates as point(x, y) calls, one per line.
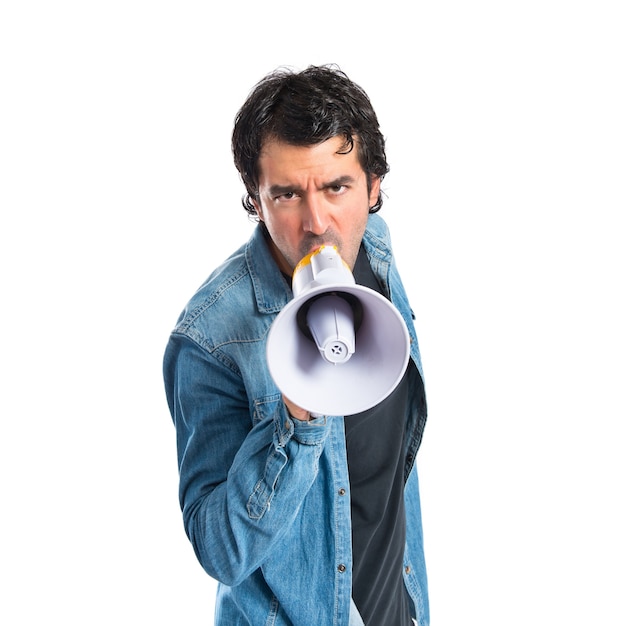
point(219, 295)
point(238, 300)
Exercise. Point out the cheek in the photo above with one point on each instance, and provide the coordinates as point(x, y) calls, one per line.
point(273, 223)
point(281, 229)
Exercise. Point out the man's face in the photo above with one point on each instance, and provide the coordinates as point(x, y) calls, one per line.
point(311, 195)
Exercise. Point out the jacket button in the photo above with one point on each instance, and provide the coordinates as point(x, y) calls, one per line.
point(342, 568)
point(407, 569)
point(342, 492)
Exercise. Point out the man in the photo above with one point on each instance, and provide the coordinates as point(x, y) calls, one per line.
point(303, 519)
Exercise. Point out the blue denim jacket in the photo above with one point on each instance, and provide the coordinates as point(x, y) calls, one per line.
point(265, 498)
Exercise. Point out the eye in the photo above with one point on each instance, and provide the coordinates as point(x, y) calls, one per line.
point(337, 189)
point(285, 197)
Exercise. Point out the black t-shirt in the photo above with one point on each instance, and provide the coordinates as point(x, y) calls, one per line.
point(375, 444)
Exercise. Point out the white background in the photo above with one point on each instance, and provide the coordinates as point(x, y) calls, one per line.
point(506, 138)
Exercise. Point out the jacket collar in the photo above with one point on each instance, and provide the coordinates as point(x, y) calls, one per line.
point(271, 290)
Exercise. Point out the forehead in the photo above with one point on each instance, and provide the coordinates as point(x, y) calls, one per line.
point(328, 158)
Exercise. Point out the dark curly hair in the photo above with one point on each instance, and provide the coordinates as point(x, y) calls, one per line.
point(303, 109)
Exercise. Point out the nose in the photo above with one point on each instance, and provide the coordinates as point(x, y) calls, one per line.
point(315, 219)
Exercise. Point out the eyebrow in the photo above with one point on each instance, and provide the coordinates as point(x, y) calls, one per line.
point(279, 190)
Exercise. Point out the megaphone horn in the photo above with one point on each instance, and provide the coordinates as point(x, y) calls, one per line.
point(337, 348)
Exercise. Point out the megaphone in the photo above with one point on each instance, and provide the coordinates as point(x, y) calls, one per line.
point(337, 348)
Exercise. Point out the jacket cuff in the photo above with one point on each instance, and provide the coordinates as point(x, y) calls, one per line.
point(312, 432)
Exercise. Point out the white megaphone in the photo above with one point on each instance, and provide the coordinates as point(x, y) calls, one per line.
point(337, 348)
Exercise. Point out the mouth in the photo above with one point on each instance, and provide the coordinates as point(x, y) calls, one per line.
point(312, 246)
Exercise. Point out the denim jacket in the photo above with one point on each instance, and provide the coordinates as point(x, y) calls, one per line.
point(266, 498)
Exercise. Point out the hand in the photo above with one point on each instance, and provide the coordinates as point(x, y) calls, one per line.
point(296, 412)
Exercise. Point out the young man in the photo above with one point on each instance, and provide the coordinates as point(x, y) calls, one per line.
point(303, 519)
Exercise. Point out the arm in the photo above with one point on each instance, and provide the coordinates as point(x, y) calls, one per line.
point(242, 476)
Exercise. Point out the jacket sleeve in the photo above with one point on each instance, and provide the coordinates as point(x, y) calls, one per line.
point(244, 467)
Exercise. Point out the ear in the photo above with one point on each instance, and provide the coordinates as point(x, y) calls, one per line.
point(257, 206)
point(374, 190)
